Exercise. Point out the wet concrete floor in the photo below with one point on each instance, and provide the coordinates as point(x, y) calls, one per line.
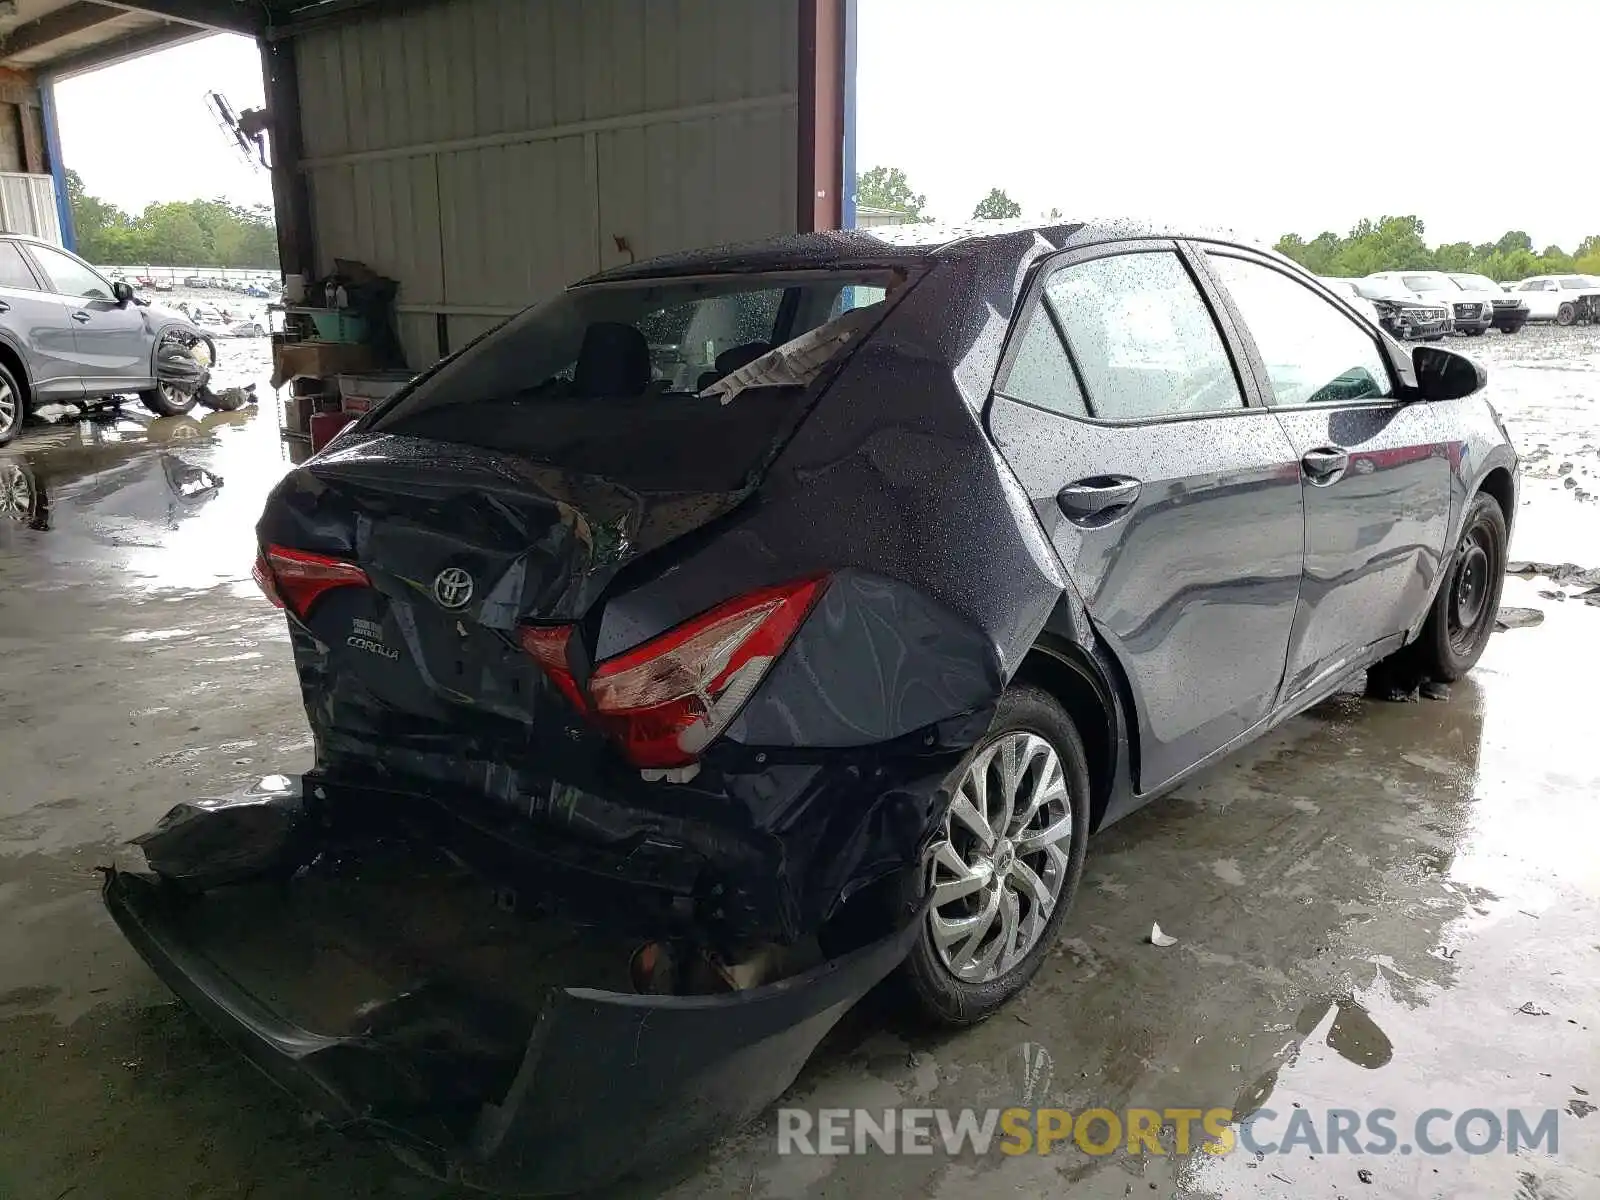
point(1379, 906)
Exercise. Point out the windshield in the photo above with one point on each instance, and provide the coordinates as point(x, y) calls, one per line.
point(1428, 283)
point(1476, 283)
point(663, 383)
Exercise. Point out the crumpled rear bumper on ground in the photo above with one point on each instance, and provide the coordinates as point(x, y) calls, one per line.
point(608, 1082)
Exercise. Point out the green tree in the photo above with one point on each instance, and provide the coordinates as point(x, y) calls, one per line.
point(1457, 256)
point(173, 236)
point(174, 233)
point(1514, 240)
point(886, 187)
point(1554, 261)
point(996, 204)
point(104, 230)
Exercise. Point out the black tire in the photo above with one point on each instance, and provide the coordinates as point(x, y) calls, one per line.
point(1566, 314)
point(13, 406)
point(167, 401)
point(1463, 613)
point(933, 986)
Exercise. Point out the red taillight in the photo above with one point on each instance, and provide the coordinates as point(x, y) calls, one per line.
point(548, 646)
point(663, 702)
point(295, 578)
point(263, 577)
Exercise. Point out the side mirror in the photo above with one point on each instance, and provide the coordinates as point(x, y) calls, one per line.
point(1446, 375)
point(122, 291)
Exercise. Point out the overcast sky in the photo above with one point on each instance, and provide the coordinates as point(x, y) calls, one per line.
point(1265, 116)
point(1261, 115)
point(120, 125)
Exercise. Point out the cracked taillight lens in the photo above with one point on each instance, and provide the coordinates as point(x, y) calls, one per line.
point(664, 701)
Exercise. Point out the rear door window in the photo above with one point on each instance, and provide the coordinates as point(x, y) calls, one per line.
point(14, 269)
point(662, 383)
point(1145, 343)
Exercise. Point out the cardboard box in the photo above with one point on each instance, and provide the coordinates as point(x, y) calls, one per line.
point(321, 360)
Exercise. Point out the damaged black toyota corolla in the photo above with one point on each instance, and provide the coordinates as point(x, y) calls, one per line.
point(739, 628)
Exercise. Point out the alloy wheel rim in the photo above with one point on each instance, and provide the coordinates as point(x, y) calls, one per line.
point(16, 495)
point(8, 406)
point(998, 867)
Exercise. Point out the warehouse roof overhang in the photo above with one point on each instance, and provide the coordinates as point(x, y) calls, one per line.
point(58, 38)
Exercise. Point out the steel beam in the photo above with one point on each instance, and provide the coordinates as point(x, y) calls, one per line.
point(53, 26)
point(145, 41)
point(223, 16)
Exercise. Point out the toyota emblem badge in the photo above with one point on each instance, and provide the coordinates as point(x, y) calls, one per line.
point(452, 588)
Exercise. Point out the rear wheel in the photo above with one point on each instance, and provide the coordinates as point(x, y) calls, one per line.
point(1463, 613)
point(11, 406)
point(1566, 314)
point(1004, 866)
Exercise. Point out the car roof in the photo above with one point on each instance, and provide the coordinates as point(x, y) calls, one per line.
point(912, 244)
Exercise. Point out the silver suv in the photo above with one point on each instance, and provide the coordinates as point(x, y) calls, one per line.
point(69, 334)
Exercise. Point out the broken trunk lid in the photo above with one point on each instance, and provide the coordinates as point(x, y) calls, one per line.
point(455, 548)
point(383, 987)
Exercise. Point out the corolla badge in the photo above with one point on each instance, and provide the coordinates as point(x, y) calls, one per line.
point(452, 588)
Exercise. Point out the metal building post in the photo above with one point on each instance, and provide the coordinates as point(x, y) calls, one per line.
point(823, 70)
point(58, 169)
point(291, 198)
point(848, 194)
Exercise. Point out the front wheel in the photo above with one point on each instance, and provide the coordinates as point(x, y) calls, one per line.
point(167, 400)
point(1566, 314)
point(1464, 611)
point(1004, 866)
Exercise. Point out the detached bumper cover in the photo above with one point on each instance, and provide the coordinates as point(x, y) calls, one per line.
point(609, 1083)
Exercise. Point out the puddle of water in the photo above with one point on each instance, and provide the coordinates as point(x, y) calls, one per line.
point(145, 503)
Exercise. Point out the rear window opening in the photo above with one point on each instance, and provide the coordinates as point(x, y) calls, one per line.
point(622, 380)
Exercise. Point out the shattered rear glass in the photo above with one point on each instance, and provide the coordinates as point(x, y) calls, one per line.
point(622, 380)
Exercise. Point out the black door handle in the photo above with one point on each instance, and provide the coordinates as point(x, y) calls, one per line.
point(1098, 499)
point(1325, 464)
point(81, 317)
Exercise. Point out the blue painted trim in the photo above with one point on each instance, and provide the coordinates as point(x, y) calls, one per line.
point(58, 169)
point(847, 209)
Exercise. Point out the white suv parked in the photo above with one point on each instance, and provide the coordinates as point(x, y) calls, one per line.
point(1560, 298)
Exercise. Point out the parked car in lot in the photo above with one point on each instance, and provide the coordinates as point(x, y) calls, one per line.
point(1470, 312)
point(722, 682)
point(1509, 313)
point(1564, 299)
point(1401, 312)
point(67, 333)
point(1347, 289)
